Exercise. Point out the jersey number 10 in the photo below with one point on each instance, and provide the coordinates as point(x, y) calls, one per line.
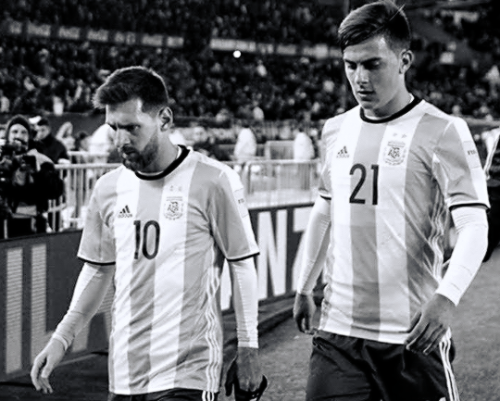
point(149, 237)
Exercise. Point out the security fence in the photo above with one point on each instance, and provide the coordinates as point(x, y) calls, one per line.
point(267, 183)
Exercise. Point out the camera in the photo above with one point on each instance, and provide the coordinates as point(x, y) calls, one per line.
point(13, 158)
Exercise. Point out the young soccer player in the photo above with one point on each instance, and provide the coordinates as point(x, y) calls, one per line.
point(395, 168)
point(160, 228)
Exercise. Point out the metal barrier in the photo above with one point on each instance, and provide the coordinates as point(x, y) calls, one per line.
point(267, 183)
point(79, 179)
point(280, 182)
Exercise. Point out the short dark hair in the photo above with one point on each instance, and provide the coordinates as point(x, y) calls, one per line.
point(382, 17)
point(133, 83)
point(43, 122)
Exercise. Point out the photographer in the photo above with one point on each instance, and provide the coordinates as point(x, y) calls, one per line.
point(28, 180)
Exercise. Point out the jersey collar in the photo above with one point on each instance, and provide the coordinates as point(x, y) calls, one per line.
point(168, 170)
point(401, 112)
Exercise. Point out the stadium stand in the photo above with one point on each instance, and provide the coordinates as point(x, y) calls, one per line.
point(39, 75)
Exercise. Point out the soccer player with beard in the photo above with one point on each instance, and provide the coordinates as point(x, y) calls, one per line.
point(395, 169)
point(160, 227)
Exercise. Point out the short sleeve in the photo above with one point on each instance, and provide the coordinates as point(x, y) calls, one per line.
point(457, 167)
point(328, 136)
point(97, 244)
point(230, 219)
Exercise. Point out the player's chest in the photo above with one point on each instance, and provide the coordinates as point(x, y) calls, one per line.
point(152, 206)
point(373, 160)
point(387, 147)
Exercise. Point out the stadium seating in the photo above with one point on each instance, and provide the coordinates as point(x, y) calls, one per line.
point(46, 75)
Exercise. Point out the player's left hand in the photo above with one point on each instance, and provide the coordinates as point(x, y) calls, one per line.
point(430, 325)
point(245, 376)
point(249, 371)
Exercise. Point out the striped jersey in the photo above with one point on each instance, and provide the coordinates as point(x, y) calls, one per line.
point(168, 236)
point(391, 183)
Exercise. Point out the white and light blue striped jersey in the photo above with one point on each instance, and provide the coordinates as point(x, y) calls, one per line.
point(392, 183)
point(168, 236)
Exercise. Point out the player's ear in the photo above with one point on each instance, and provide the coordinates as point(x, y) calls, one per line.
point(405, 61)
point(166, 117)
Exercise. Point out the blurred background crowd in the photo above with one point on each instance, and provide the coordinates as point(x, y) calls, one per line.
point(249, 81)
point(39, 76)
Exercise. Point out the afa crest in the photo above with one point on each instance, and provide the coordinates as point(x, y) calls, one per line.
point(394, 152)
point(173, 207)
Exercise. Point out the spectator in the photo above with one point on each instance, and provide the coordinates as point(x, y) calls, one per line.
point(4, 103)
point(245, 148)
point(37, 71)
point(3, 133)
point(303, 148)
point(101, 145)
point(65, 135)
point(79, 153)
point(29, 180)
point(50, 145)
point(81, 143)
point(257, 112)
point(176, 137)
point(205, 143)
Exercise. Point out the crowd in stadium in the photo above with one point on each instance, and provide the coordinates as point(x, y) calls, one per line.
point(39, 75)
point(284, 21)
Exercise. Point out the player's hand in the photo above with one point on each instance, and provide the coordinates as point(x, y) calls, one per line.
point(245, 376)
point(303, 312)
point(44, 363)
point(249, 372)
point(430, 325)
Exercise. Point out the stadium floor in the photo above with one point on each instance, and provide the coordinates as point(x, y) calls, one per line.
point(85, 379)
point(285, 352)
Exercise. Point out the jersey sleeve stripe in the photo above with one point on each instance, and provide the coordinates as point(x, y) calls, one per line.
point(96, 263)
point(243, 257)
point(455, 206)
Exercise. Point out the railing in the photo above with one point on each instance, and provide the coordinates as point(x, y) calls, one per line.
point(280, 182)
point(79, 179)
point(267, 183)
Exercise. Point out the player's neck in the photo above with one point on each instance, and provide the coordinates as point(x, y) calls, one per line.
point(166, 156)
point(397, 104)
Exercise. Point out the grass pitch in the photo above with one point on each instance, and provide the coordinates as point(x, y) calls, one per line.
point(476, 333)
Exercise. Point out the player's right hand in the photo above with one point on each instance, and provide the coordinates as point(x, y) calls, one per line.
point(303, 312)
point(45, 363)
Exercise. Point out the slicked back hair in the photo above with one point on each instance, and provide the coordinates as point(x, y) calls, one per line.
point(133, 83)
point(383, 18)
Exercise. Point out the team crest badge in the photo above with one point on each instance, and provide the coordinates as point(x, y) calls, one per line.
point(394, 152)
point(173, 208)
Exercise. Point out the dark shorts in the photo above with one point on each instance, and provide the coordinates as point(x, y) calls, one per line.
point(176, 394)
point(353, 369)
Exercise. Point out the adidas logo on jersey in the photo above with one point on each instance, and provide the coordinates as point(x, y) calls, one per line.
point(343, 152)
point(124, 213)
